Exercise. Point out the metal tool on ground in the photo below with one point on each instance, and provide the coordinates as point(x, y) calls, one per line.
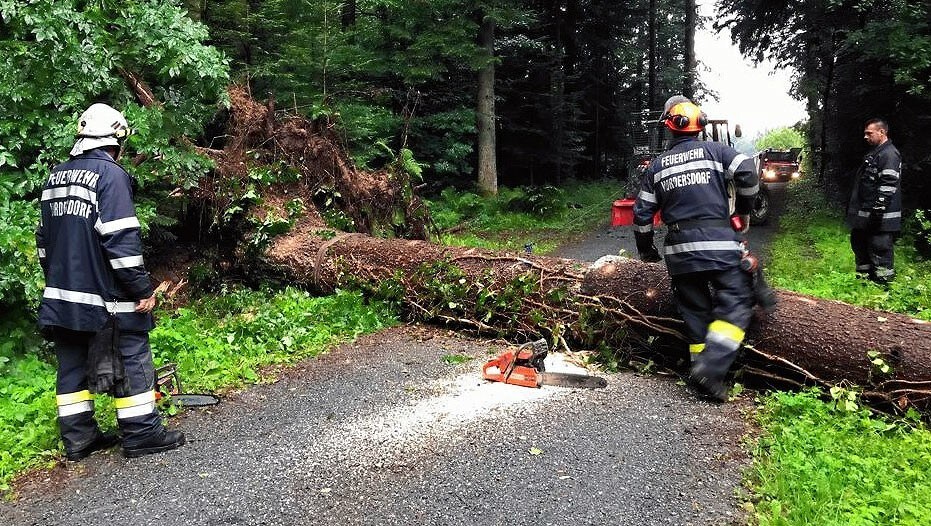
point(524, 366)
point(168, 384)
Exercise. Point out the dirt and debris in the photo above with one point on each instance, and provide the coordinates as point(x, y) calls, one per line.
point(376, 202)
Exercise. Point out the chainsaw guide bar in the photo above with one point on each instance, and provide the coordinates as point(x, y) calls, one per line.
point(524, 366)
point(572, 380)
point(168, 384)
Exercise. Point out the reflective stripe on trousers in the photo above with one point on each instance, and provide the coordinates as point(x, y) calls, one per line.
point(70, 404)
point(136, 405)
point(725, 334)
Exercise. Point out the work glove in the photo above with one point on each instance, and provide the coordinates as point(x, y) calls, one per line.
point(745, 224)
point(104, 368)
point(645, 247)
point(650, 255)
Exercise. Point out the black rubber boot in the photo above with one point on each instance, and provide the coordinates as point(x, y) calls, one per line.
point(168, 441)
point(103, 441)
point(706, 386)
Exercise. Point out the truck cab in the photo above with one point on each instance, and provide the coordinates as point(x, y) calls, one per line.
point(779, 165)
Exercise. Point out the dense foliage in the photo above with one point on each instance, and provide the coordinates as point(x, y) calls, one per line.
point(854, 60)
point(780, 139)
point(59, 56)
point(568, 75)
point(218, 343)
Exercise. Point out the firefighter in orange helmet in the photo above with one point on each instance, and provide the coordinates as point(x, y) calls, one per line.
point(688, 184)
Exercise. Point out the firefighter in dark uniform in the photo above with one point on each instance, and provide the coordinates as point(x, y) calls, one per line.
point(692, 185)
point(874, 213)
point(91, 254)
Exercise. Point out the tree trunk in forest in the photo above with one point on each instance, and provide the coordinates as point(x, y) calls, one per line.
point(651, 89)
point(485, 113)
point(622, 304)
point(814, 110)
point(691, 63)
point(348, 14)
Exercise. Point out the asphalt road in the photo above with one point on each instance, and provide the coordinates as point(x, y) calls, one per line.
point(385, 432)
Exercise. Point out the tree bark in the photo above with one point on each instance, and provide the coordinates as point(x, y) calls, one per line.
point(651, 59)
point(485, 113)
point(624, 303)
point(691, 63)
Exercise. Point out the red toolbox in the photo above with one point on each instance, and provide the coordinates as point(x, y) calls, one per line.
point(622, 213)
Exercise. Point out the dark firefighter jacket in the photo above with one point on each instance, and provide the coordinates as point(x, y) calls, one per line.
point(89, 247)
point(688, 184)
point(876, 200)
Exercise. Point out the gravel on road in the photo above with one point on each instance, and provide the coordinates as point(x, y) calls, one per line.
point(384, 431)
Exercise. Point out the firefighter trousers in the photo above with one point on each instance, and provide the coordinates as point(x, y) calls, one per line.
point(137, 417)
point(873, 254)
point(717, 307)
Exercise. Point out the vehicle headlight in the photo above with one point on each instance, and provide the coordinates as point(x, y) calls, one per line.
point(770, 173)
point(796, 175)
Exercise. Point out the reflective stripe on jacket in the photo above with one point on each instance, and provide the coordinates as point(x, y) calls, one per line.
point(689, 183)
point(877, 190)
point(89, 246)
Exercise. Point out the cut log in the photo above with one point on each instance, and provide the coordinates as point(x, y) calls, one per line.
point(624, 305)
point(620, 305)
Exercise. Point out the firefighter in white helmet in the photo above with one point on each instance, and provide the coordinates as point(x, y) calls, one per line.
point(98, 298)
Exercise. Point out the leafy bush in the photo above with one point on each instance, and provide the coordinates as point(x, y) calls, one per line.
point(28, 428)
point(367, 125)
point(545, 201)
point(454, 207)
point(817, 464)
point(918, 228)
point(447, 140)
point(21, 277)
point(56, 60)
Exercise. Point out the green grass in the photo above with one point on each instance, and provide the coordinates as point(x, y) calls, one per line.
point(544, 217)
point(826, 466)
point(815, 463)
point(218, 343)
point(225, 340)
point(28, 429)
point(812, 255)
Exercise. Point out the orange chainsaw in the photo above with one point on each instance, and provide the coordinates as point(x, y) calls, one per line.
point(524, 366)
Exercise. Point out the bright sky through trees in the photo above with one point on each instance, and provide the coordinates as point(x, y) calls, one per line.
point(754, 96)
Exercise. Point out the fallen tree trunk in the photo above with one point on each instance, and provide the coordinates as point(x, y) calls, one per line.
point(624, 305)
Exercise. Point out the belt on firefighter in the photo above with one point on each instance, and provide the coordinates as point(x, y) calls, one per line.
point(689, 224)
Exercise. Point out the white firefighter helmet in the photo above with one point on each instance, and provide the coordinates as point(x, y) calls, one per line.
point(100, 125)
